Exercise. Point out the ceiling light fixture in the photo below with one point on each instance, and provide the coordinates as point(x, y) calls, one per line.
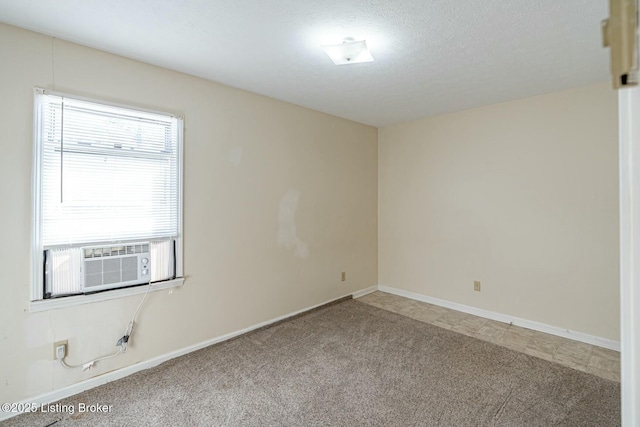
point(349, 51)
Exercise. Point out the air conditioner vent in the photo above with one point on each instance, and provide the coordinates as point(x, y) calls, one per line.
point(107, 267)
point(105, 251)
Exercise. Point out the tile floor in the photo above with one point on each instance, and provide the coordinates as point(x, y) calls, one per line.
point(599, 361)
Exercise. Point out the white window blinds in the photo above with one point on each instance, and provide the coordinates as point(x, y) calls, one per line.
point(108, 174)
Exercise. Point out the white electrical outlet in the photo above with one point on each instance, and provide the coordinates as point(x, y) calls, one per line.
point(60, 350)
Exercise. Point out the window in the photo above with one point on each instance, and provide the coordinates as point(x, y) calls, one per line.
point(107, 199)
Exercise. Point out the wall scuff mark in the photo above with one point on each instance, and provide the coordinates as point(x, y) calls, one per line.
point(235, 156)
point(287, 230)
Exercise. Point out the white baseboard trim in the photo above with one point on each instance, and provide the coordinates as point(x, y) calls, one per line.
point(529, 324)
point(62, 393)
point(366, 291)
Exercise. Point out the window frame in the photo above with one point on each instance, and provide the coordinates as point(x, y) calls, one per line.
point(37, 301)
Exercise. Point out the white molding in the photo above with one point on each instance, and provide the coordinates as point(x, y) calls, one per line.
point(366, 291)
point(505, 318)
point(629, 155)
point(55, 303)
point(108, 377)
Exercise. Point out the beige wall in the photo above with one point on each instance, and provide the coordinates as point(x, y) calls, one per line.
point(521, 196)
point(244, 155)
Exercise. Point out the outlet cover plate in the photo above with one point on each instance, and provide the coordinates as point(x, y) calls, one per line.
point(58, 343)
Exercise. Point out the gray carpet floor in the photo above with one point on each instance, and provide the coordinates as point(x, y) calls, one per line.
point(350, 364)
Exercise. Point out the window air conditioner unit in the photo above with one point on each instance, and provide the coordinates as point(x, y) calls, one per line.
point(115, 266)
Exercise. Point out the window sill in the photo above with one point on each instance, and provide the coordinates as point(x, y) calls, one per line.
point(52, 304)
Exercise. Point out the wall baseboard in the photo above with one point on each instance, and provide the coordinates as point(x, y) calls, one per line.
point(365, 291)
point(529, 324)
point(73, 389)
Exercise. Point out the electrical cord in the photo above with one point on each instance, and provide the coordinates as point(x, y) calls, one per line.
point(89, 365)
point(122, 342)
point(129, 329)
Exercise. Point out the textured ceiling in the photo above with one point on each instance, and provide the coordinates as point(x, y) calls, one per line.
point(431, 56)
